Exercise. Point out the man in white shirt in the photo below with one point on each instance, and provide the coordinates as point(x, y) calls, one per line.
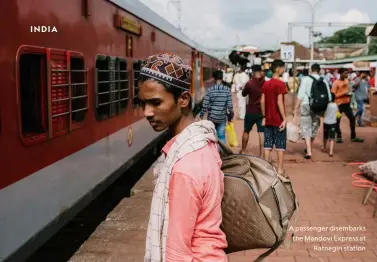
point(309, 121)
point(240, 82)
point(286, 79)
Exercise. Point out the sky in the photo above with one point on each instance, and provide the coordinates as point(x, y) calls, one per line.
point(263, 24)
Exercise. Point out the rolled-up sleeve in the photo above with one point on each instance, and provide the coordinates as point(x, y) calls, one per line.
point(184, 205)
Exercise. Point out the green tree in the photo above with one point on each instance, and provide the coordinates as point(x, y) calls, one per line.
point(373, 46)
point(351, 35)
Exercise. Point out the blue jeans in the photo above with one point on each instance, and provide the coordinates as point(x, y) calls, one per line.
point(220, 129)
point(360, 110)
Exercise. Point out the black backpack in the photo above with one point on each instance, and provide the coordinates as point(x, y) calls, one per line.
point(319, 96)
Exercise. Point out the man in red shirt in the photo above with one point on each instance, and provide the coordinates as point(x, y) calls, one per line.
point(372, 78)
point(273, 109)
point(253, 89)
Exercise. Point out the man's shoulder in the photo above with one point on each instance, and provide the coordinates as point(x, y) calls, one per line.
point(198, 164)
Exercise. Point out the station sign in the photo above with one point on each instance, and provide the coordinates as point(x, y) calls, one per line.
point(127, 24)
point(287, 53)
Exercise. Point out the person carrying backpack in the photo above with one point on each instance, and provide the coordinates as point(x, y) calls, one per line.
point(312, 100)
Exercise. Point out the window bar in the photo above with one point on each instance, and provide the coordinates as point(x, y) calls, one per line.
point(86, 86)
point(111, 81)
point(61, 114)
point(118, 95)
point(49, 96)
point(79, 84)
point(68, 57)
point(59, 70)
point(96, 86)
point(79, 110)
point(79, 71)
point(59, 85)
point(60, 100)
point(78, 97)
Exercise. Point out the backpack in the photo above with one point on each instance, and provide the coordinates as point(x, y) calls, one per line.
point(257, 205)
point(319, 96)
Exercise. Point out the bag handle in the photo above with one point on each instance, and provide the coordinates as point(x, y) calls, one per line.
point(227, 151)
point(285, 224)
point(275, 246)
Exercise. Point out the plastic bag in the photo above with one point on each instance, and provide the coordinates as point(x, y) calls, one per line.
point(232, 136)
point(293, 132)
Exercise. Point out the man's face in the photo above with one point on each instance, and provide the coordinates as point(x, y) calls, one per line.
point(158, 105)
point(345, 74)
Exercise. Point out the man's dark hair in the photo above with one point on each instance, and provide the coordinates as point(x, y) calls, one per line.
point(218, 75)
point(305, 72)
point(316, 68)
point(175, 91)
point(277, 63)
point(342, 70)
point(256, 68)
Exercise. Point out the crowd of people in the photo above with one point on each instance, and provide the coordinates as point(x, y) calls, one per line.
point(347, 93)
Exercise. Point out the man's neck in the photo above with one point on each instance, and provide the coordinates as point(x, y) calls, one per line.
point(182, 123)
point(276, 76)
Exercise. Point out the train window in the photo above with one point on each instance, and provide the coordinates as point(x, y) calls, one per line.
point(33, 95)
point(112, 82)
point(136, 67)
point(124, 91)
point(79, 90)
point(53, 92)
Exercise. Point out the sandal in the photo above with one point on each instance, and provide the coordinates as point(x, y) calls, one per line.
point(308, 157)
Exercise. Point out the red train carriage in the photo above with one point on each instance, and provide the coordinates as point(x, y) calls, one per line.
point(69, 114)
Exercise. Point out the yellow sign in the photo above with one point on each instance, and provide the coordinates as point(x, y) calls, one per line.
point(128, 25)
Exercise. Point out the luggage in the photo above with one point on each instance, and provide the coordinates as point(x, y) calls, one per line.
point(232, 136)
point(258, 204)
point(293, 133)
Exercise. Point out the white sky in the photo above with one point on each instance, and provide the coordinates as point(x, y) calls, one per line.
point(224, 23)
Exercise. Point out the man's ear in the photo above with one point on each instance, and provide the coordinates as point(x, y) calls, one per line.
point(184, 99)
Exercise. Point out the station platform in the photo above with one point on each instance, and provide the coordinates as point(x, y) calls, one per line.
point(325, 193)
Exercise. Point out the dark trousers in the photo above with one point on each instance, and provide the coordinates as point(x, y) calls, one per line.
point(346, 109)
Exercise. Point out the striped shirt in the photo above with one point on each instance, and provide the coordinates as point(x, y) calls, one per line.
point(218, 103)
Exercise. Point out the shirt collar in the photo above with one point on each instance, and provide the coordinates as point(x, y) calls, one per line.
point(168, 145)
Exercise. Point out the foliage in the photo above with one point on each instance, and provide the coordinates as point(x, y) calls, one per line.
point(351, 35)
point(373, 46)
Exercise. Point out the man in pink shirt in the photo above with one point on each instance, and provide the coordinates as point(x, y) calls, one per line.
point(185, 217)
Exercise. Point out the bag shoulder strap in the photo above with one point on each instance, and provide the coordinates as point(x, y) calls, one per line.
point(274, 247)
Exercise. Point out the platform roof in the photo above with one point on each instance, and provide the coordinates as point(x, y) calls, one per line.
point(369, 58)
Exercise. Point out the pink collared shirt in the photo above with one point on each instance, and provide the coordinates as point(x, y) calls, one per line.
point(195, 193)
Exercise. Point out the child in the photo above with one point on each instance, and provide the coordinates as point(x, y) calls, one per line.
point(329, 125)
point(273, 109)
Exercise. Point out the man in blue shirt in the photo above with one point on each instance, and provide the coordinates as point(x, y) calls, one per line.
point(218, 103)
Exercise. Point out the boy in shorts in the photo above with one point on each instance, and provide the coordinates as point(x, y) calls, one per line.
point(253, 89)
point(329, 125)
point(273, 109)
